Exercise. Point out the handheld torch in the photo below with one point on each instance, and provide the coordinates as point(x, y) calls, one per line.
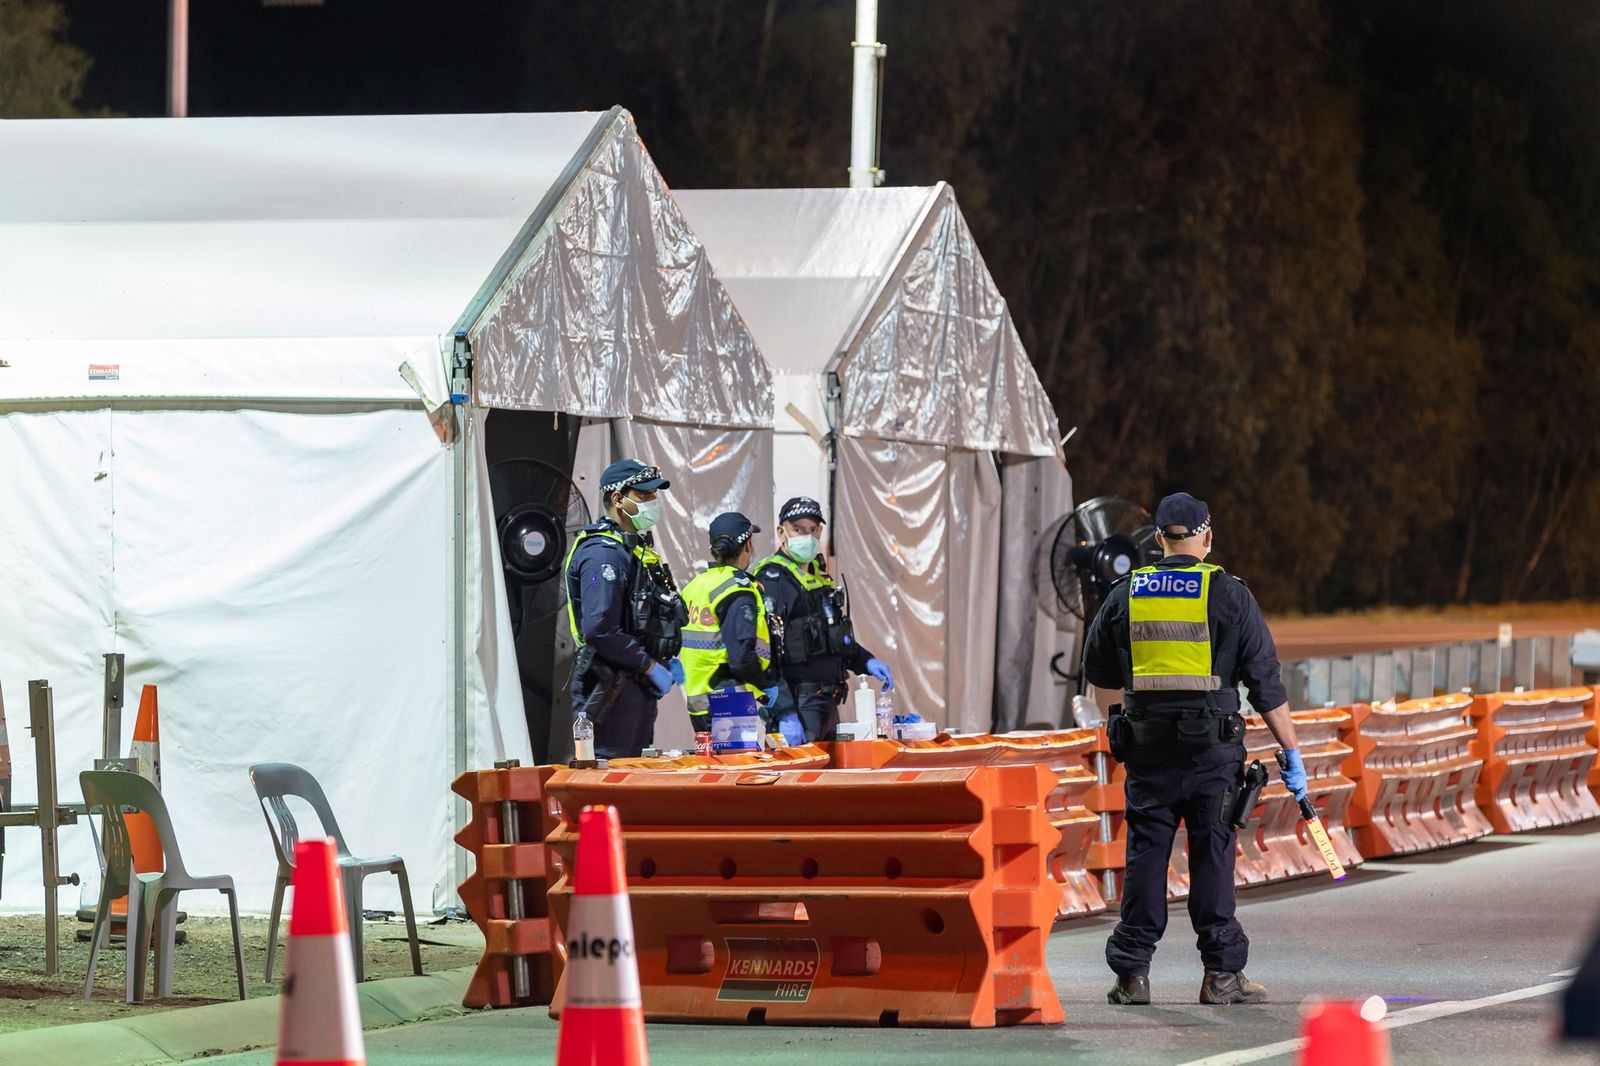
point(1308, 812)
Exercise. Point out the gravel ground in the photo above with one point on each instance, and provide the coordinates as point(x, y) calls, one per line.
point(202, 969)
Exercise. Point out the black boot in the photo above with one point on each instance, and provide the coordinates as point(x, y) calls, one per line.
point(1131, 990)
point(1222, 987)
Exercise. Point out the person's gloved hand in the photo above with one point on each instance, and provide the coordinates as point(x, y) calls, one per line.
point(794, 734)
point(1294, 774)
point(676, 666)
point(770, 695)
point(880, 672)
point(660, 679)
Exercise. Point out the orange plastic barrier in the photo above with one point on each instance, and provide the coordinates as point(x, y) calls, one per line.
point(910, 897)
point(1537, 757)
point(1594, 739)
point(1063, 752)
point(487, 893)
point(1277, 846)
point(799, 757)
point(1415, 774)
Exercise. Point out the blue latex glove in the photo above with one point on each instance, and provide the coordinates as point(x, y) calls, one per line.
point(880, 673)
point(676, 666)
point(793, 732)
point(660, 679)
point(1294, 775)
point(770, 695)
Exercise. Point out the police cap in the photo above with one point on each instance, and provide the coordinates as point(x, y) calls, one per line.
point(800, 507)
point(1180, 516)
point(632, 474)
point(733, 526)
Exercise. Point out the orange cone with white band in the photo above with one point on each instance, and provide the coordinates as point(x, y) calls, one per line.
point(1341, 1033)
point(143, 839)
point(602, 1022)
point(320, 1022)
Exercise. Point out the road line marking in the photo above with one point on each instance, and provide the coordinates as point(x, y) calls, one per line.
point(1410, 1016)
point(1567, 973)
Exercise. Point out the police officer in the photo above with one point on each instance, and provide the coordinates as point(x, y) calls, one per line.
point(727, 642)
point(819, 644)
point(1178, 638)
point(626, 615)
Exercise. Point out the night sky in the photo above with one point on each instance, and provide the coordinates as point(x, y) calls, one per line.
point(348, 56)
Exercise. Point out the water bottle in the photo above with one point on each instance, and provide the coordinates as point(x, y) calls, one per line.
point(582, 740)
point(885, 715)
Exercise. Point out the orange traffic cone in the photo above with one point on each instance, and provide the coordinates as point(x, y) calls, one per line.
point(1342, 1033)
point(602, 1022)
point(142, 836)
point(320, 1021)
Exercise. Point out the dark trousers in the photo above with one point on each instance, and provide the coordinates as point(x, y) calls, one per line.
point(628, 727)
point(816, 703)
point(1163, 789)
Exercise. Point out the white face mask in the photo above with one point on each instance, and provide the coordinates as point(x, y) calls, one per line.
point(802, 549)
point(648, 513)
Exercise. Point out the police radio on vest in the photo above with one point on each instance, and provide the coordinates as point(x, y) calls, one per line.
point(1176, 585)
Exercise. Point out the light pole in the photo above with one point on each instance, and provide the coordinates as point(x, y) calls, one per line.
point(866, 98)
point(177, 58)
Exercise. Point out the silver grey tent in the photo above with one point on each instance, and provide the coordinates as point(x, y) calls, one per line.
point(905, 400)
point(227, 449)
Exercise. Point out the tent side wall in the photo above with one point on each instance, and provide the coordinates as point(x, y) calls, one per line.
point(935, 388)
point(285, 583)
point(612, 314)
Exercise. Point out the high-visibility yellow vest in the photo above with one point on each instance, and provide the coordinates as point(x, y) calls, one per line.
point(704, 655)
point(811, 576)
point(643, 552)
point(1168, 630)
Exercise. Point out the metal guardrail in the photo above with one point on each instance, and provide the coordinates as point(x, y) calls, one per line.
point(1429, 670)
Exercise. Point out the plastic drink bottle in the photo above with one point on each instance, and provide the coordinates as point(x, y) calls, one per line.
point(582, 739)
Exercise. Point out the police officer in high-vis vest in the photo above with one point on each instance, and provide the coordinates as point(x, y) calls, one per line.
point(1178, 638)
point(820, 649)
point(727, 642)
point(626, 615)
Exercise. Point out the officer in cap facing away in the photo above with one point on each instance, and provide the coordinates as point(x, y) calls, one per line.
point(626, 615)
point(728, 640)
point(1178, 638)
point(819, 642)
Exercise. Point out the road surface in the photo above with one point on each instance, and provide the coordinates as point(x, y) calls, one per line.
point(1469, 946)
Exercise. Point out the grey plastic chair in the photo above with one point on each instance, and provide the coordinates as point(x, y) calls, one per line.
point(273, 782)
point(152, 897)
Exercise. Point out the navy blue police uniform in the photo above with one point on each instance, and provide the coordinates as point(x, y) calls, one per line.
point(819, 647)
point(1181, 772)
point(626, 614)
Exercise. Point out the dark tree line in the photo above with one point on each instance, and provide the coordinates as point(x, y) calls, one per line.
point(1333, 265)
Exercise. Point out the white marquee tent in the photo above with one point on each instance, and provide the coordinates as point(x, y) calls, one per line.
point(905, 400)
point(211, 462)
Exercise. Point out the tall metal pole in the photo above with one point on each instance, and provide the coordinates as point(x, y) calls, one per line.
point(864, 90)
point(41, 722)
point(177, 59)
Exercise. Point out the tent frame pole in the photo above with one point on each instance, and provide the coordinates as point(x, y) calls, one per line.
point(460, 399)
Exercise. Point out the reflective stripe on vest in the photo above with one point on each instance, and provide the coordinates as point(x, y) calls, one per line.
point(1168, 632)
point(704, 654)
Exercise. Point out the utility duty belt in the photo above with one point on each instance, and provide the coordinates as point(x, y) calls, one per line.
point(822, 627)
point(1179, 732)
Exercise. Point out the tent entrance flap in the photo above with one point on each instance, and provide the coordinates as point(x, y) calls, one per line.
point(531, 457)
